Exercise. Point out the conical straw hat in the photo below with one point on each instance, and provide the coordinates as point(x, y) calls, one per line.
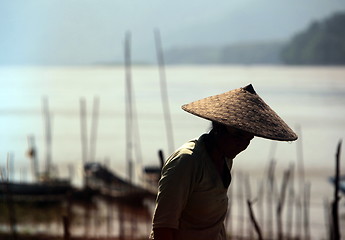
point(243, 109)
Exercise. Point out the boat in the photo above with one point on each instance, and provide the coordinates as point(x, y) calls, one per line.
point(99, 178)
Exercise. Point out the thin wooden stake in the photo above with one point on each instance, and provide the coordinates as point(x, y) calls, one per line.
point(129, 105)
point(164, 92)
point(241, 201)
point(260, 204)
point(83, 134)
point(290, 203)
point(306, 207)
point(271, 195)
point(83, 130)
point(48, 135)
point(94, 127)
point(253, 220)
point(335, 204)
point(299, 217)
point(248, 193)
point(281, 202)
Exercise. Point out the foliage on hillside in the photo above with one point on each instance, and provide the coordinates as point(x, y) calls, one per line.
point(323, 43)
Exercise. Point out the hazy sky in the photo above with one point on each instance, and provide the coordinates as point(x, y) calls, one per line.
point(89, 31)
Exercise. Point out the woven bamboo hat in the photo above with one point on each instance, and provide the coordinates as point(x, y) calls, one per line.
point(243, 109)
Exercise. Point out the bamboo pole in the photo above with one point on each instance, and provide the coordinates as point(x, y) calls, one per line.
point(281, 202)
point(302, 212)
point(299, 217)
point(83, 131)
point(137, 142)
point(270, 191)
point(48, 136)
point(306, 207)
point(132, 125)
point(248, 193)
point(83, 135)
point(253, 220)
point(335, 204)
point(85, 159)
point(260, 204)
point(164, 91)
point(94, 127)
point(10, 170)
point(129, 105)
point(290, 203)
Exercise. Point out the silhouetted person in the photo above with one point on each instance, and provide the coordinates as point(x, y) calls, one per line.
point(192, 196)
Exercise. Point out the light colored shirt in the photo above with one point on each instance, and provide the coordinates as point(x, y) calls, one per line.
point(192, 197)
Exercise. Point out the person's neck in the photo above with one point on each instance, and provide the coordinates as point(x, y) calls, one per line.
point(216, 153)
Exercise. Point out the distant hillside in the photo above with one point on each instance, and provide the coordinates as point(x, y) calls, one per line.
point(242, 53)
point(323, 43)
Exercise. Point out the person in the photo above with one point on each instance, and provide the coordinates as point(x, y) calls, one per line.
point(192, 197)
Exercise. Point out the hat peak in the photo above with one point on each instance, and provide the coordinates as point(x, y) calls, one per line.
point(249, 88)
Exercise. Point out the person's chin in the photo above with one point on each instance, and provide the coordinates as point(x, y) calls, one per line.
point(231, 156)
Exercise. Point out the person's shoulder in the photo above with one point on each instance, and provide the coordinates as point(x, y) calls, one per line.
point(194, 146)
point(183, 152)
point(190, 152)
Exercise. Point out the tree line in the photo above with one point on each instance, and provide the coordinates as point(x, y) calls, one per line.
point(322, 43)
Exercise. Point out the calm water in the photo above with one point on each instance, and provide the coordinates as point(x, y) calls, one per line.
point(311, 100)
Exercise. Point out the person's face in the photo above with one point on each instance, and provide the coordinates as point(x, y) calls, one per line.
point(235, 141)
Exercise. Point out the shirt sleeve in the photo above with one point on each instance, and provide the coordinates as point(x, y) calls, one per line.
point(175, 186)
